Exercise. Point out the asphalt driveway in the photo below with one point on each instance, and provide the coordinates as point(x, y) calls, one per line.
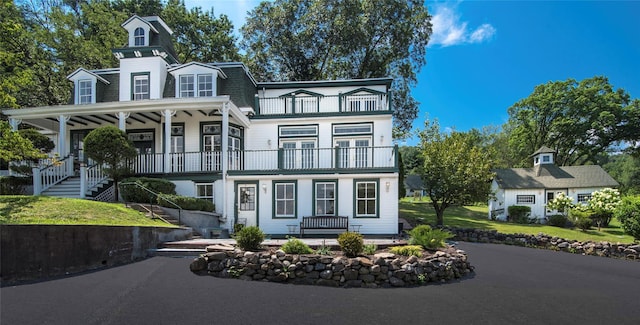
point(512, 285)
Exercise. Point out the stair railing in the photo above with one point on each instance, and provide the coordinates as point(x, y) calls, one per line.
point(51, 174)
point(151, 198)
point(91, 175)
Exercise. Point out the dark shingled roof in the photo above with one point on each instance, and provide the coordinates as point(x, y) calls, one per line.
point(413, 182)
point(552, 176)
point(543, 149)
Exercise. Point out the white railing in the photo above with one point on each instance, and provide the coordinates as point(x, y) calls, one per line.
point(52, 174)
point(90, 177)
point(326, 104)
point(270, 160)
point(108, 195)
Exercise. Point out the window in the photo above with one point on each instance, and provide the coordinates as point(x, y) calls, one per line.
point(212, 146)
point(325, 198)
point(546, 158)
point(186, 86)
point(352, 129)
point(285, 200)
point(366, 199)
point(204, 191)
point(299, 131)
point(140, 87)
point(525, 199)
point(584, 198)
point(85, 92)
point(138, 37)
point(247, 198)
point(205, 85)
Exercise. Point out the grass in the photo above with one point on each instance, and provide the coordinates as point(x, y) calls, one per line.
point(44, 210)
point(421, 212)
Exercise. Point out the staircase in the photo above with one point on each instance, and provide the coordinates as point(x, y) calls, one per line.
point(154, 212)
point(70, 188)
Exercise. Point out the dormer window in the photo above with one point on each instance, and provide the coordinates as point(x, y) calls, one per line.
point(138, 37)
point(189, 87)
point(85, 91)
point(546, 158)
point(140, 86)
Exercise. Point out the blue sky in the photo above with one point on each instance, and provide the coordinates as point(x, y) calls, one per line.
point(484, 56)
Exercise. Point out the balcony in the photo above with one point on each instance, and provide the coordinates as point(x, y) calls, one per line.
point(298, 105)
point(334, 160)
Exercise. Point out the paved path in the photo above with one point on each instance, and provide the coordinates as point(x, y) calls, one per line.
point(512, 285)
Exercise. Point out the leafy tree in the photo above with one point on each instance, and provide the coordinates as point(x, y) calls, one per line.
point(580, 120)
point(625, 168)
point(13, 147)
point(111, 147)
point(455, 170)
point(629, 215)
point(341, 39)
point(39, 140)
point(412, 159)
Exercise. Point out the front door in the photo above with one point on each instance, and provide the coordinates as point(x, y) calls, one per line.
point(550, 195)
point(247, 204)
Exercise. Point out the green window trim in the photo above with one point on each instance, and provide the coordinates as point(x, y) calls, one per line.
point(133, 84)
point(275, 200)
point(356, 199)
point(315, 211)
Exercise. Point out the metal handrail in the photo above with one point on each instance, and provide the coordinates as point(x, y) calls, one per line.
point(156, 195)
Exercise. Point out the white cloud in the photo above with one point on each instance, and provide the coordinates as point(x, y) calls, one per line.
point(448, 30)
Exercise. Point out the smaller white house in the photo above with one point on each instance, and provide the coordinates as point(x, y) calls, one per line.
point(537, 185)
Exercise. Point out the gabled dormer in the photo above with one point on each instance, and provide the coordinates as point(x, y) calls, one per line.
point(148, 37)
point(85, 85)
point(196, 79)
point(544, 156)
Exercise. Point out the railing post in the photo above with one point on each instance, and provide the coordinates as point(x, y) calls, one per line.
point(336, 157)
point(257, 104)
point(37, 181)
point(395, 156)
point(280, 158)
point(69, 166)
point(83, 180)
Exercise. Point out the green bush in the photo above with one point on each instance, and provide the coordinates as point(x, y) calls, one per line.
point(237, 227)
point(407, 250)
point(519, 213)
point(370, 249)
point(133, 193)
point(581, 219)
point(628, 212)
point(557, 220)
point(249, 238)
point(11, 185)
point(296, 246)
point(601, 218)
point(428, 238)
point(351, 243)
point(185, 202)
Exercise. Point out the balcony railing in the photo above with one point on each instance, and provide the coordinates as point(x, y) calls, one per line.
point(336, 159)
point(291, 105)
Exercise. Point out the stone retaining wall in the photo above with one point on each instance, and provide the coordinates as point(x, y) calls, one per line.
point(606, 249)
point(380, 270)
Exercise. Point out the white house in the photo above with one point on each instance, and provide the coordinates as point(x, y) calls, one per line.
point(266, 153)
point(536, 186)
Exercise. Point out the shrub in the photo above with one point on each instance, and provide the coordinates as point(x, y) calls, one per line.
point(519, 213)
point(237, 227)
point(324, 249)
point(557, 220)
point(628, 212)
point(296, 246)
point(11, 185)
point(370, 249)
point(185, 202)
point(580, 219)
point(132, 193)
point(428, 238)
point(351, 243)
point(249, 238)
point(407, 250)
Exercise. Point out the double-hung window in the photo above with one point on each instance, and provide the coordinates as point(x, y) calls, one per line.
point(325, 198)
point(187, 86)
point(205, 85)
point(85, 91)
point(140, 87)
point(138, 36)
point(204, 191)
point(200, 85)
point(284, 199)
point(366, 198)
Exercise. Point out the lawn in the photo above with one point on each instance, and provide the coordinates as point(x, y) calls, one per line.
point(421, 212)
point(46, 210)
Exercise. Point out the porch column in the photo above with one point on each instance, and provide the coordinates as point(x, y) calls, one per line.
point(62, 135)
point(122, 120)
point(225, 160)
point(167, 138)
point(14, 122)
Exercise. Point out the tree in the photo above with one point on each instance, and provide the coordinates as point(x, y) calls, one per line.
point(629, 215)
point(580, 120)
point(455, 170)
point(411, 159)
point(625, 169)
point(110, 146)
point(39, 140)
point(13, 147)
point(341, 39)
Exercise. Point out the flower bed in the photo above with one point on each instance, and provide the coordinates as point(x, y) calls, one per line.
point(383, 269)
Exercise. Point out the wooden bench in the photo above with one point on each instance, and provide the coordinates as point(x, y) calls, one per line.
point(324, 222)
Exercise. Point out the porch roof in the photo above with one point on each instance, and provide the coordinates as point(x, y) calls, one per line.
point(140, 110)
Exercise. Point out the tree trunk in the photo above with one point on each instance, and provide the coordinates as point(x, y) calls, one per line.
point(439, 217)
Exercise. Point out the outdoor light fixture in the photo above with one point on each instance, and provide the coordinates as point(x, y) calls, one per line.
point(264, 187)
point(388, 185)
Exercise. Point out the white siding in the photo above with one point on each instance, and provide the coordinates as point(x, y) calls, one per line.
point(157, 68)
